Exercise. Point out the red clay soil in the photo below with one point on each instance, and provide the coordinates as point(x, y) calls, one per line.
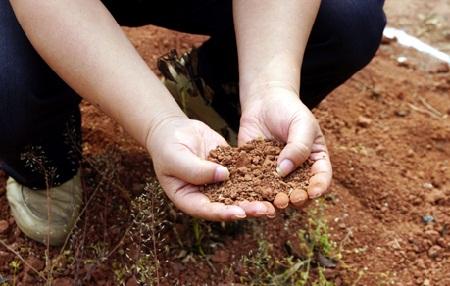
point(388, 133)
point(252, 173)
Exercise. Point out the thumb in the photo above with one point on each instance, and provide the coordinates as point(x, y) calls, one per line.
point(298, 148)
point(190, 168)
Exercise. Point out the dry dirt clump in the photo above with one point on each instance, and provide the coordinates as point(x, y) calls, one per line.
point(253, 175)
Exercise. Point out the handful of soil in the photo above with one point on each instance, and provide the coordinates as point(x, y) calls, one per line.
point(253, 175)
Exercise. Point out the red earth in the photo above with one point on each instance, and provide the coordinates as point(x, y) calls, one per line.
point(388, 132)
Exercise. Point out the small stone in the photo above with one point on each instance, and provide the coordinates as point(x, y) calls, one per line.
point(402, 61)
point(434, 251)
point(4, 226)
point(342, 226)
point(402, 113)
point(427, 218)
point(427, 185)
point(364, 122)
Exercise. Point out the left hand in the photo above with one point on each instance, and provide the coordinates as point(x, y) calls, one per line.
point(278, 113)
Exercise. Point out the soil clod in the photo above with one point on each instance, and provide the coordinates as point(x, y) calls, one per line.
point(253, 176)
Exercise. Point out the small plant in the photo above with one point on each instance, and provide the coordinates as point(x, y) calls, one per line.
point(144, 239)
point(198, 236)
point(15, 267)
point(315, 252)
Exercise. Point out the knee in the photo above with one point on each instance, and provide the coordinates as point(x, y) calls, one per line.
point(360, 27)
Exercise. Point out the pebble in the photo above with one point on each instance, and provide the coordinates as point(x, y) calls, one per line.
point(434, 251)
point(402, 113)
point(427, 218)
point(364, 122)
point(4, 226)
point(427, 185)
point(402, 61)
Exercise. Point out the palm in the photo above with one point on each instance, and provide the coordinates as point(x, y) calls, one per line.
point(181, 167)
point(272, 117)
point(282, 116)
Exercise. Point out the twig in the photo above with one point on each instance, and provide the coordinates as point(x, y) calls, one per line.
point(424, 111)
point(431, 108)
point(154, 239)
point(82, 212)
point(120, 242)
point(22, 259)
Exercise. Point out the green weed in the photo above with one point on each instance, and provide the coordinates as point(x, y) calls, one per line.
point(314, 252)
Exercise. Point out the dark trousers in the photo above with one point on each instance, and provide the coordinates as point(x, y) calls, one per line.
point(40, 134)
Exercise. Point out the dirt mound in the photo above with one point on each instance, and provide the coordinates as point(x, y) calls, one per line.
point(253, 175)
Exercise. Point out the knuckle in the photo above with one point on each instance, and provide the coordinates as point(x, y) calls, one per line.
point(300, 152)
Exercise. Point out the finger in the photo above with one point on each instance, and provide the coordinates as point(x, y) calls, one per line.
point(322, 173)
point(249, 133)
point(257, 208)
point(298, 198)
point(188, 167)
point(190, 201)
point(281, 201)
point(298, 147)
point(271, 213)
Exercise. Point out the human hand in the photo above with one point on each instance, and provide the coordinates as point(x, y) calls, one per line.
point(278, 113)
point(179, 147)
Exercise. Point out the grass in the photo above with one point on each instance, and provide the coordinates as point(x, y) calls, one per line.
point(143, 245)
point(315, 251)
point(139, 252)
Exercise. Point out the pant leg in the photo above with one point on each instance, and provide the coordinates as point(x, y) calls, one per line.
point(344, 39)
point(39, 116)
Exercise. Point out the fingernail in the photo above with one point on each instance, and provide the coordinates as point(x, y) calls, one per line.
point(314, 195)
point(271, 216)
point(239, 213)
point(221, 174)
point(286, 166)
point(239, 216)
point(261, 209)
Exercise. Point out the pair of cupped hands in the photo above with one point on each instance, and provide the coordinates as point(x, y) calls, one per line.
point(179, 147)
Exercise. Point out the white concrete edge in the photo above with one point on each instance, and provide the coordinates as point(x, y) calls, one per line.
point(407, 40)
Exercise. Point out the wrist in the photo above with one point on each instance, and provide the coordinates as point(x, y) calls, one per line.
point(156, 128)
point(262, 92)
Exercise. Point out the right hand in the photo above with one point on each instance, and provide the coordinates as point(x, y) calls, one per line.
point(179, 148)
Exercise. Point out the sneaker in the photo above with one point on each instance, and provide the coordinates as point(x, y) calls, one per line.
point(191, 92)
point(32, 208)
